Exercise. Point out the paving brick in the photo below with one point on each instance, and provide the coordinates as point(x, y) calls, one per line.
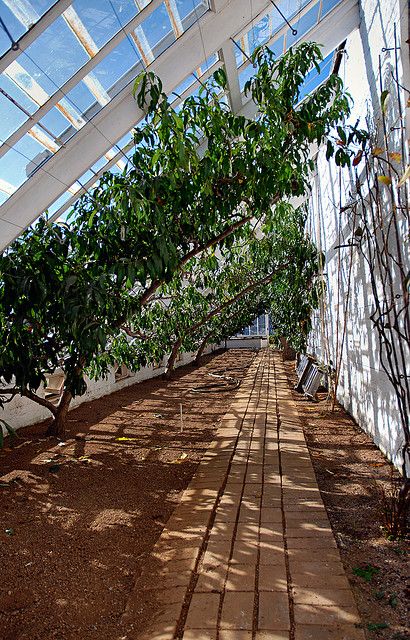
point(310, 530)
point(272, 635)
point(315, 632)
point(227, 634)
point(219, 547)
point(212, 561)
point(212, 579)
point(249, 515)
point(271, 514)
point(318, 567)
point(203, 611)
point(247, 531)
point(237, 610)
point(271, 532)
point(311, 515)
point(309, 543)
point(325, 579)
point(241, 577)
point(306, 614)
point(245, 552)
point(323, 596)
point(272, 577)
point(199, 634)
point(222, 531)
point(314, 555)
point(273, 611)
point(271, 556)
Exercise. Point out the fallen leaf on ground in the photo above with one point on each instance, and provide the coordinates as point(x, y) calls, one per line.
point(180, 459)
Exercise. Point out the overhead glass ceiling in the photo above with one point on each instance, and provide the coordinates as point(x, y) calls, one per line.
point(59, 82)
point(82, 59)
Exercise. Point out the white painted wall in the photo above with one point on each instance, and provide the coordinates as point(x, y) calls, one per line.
point(21, 412)
point(364, 389)
point(246, 342)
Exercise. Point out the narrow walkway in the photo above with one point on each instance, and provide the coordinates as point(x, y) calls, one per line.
point(249, 554)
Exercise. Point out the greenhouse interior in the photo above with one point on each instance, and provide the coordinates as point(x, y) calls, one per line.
point(204, 319)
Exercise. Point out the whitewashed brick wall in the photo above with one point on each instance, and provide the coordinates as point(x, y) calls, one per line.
point(22, 412)
point(364, 389)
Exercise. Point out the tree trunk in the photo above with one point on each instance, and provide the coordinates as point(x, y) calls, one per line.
point(58, 426)
point(201, 348)
point(171, 360)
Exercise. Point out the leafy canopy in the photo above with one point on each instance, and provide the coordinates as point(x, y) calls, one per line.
point(198, 177)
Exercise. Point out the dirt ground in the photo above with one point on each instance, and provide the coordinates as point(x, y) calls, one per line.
point(351, 473)
point(79, 518)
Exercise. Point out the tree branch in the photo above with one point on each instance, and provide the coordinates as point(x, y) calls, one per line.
point(31, 396)
point(134, 334)
point(191, 254)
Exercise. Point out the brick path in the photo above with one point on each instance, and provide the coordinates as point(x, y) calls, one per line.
point(249, 553)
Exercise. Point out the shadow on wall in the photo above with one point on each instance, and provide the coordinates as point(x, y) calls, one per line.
point(344, 332)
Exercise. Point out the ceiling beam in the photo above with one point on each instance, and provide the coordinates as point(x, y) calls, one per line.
point(234, 91)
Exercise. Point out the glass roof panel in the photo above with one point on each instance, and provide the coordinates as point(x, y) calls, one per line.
point(82, 32)
point(54, 122)
point(19, 16)
point(156, 28)
point(303, 25)
point(328, 5)
point(22, 160)
point(56, 55)
point(12, 117)
point(16, 94)
point(281, 37)
point(60, 51)
point(120, 61)
point(263, 31)
point(192, 78)
point(314, 79)
point(100, 20)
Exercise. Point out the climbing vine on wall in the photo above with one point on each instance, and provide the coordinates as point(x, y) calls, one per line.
point(379, 216)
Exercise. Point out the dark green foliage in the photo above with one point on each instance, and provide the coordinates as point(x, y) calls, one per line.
point(71, 294)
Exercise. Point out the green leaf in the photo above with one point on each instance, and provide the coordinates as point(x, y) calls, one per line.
point(220, 78)
point(367, 572)
point(377, 626)
point(384, 100)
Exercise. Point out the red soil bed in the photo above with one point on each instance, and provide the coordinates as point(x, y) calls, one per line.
point(78, 519)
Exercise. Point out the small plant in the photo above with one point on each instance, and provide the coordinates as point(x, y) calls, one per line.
point(379, 595)
point(377, 626)
point(367, 572)
point(393, 600)
point(399, 551)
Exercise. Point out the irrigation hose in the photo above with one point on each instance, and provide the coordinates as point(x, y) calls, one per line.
point(227, 383)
